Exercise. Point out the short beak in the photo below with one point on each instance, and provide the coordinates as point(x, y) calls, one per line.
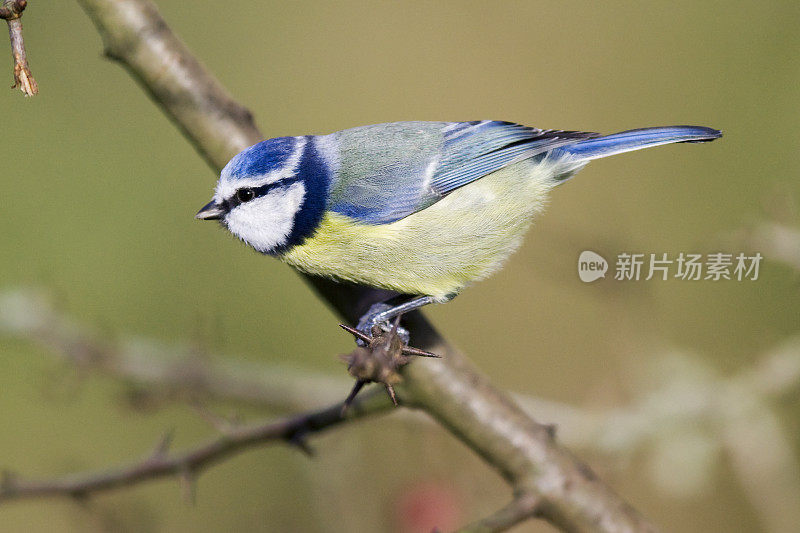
point(210, 211)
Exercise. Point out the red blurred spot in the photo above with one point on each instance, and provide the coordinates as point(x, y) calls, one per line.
point(426, 507)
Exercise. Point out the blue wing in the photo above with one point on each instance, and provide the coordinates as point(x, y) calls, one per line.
point(472, 150)
point(389, 171)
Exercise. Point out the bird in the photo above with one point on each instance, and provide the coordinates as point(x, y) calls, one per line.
point(423, 209)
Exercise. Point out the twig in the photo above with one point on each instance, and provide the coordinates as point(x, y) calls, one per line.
point(189, 464)
point(483, 417)
point(521, 508)
point(11, 11)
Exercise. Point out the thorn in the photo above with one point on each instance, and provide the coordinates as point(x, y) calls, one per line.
point(352, 396)
point(162, 446)
point(188, 486)
point(396, 325)
point(408, 350)
point(390, 390)
point(299, 440)
point(355, 333)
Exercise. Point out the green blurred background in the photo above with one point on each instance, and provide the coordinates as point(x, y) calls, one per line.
point(100, 193)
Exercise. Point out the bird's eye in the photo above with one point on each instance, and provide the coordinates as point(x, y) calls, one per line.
point(245, 195)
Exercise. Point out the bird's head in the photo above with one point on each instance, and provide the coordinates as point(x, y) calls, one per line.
point(262, 194)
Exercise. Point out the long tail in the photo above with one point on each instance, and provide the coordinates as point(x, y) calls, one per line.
point(625, 141)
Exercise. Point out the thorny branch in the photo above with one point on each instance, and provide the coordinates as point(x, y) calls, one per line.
point(11, 11)
point(525, 452)
point(187, 465)
point(380, 361)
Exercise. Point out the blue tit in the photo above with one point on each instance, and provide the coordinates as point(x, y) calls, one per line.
point(420, 208)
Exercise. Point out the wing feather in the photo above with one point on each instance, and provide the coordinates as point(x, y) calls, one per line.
point(474, 149)
point(389, 171)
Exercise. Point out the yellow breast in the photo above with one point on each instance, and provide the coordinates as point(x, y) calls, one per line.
point(437, 251)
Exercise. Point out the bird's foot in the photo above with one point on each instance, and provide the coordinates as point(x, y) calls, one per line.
point(377, 317)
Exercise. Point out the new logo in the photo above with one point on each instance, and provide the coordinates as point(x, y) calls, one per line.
point(591, 266)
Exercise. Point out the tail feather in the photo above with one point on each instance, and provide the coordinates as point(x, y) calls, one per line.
point(626, 141)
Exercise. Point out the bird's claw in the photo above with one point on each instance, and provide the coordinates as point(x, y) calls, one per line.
point(372, 319)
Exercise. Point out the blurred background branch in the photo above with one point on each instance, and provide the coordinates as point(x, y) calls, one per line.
point(778, 241)
point(687, 418)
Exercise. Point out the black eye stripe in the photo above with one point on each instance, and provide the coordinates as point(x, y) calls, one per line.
point(264, 189)
point(234, 200)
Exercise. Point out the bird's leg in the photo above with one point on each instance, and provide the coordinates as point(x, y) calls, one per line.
point(381, 314)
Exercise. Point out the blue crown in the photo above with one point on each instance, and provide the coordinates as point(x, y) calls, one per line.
point(261, 158)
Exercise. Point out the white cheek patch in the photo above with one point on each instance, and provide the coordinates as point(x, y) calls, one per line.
point(227, 186)
point(266, 222)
